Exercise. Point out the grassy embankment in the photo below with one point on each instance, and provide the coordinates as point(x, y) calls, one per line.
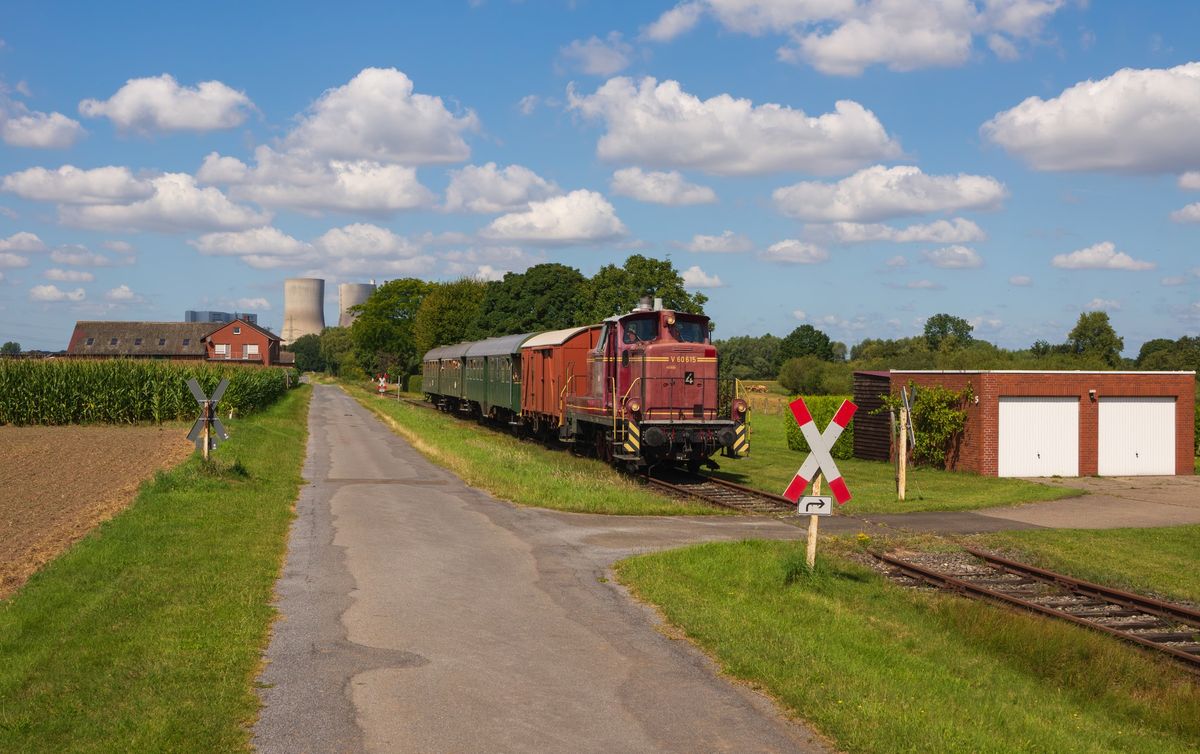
point(524, 472)
point(771, 466)
point(146, 635)
point(879, 668)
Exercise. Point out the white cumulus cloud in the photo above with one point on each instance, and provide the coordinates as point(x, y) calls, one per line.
point(79, 256)
point(71, 185)
point(660, 125)
point(1188, 214)
point(1134, 121)
point(726, 243)
point(486, 188)
point(23, 241)
point(1020, 280)
point(159, 103)
point(879, 193)
point(263, 248)
point(795, 252)
point(957, 230)
point(694, 277)
point(1102, 304)
point(29, 128)
point(51, 294)
point(581, 216)
point(8, 259)
point(365, 240)
point(257, 304)
point(1190, 180)
point(121, 247)
point(176, 204)
point(377, 116)
point(122, 294)
point(844, 37)
point(598, 57)
point(674, 22)
point(953, 258)
point(69, 276)
point(297, 180)
point(658, 187)
point(1101, 256)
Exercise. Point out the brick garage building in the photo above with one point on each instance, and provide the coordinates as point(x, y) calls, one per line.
point(1025, 423)
point(244, 342)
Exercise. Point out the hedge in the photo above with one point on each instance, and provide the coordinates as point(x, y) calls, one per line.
point(127, 391)
point(415, 383)
point(822, 408)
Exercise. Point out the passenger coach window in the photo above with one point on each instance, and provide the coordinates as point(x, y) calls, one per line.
point(640, 329)
point(689, 332)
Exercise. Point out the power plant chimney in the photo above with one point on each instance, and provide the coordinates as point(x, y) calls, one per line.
point(352, 294)
point(303, 308)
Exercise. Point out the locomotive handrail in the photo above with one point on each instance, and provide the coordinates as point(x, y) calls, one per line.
point(636, 380)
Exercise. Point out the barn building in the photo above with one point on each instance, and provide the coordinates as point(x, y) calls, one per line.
point(1040, 424)
point(238, 341)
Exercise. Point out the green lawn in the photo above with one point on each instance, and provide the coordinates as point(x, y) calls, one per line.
point(772, 464)
point(879, 668)
point(525, 473)
point(1162, 560)
point(146, 635)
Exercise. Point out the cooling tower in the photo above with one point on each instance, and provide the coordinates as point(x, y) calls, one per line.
point(351, 294)
point(303, 308)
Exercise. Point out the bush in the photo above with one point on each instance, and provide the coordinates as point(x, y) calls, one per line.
point(803, 375)
point(127, 391)
point(415, 383)
point(822, 408)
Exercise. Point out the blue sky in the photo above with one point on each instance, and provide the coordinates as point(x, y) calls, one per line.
point(854, 164)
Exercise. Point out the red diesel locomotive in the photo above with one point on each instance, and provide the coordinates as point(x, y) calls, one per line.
point(638, 389)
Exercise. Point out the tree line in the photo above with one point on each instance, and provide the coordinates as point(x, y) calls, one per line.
point(403, 319)
point(808, 362)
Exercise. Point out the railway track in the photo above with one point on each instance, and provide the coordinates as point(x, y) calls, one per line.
point(1162, 626)
point(720, 492)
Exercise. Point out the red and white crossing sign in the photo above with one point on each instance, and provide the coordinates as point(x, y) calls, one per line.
point(820, 460)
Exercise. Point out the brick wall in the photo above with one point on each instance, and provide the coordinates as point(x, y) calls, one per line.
point(979, 450)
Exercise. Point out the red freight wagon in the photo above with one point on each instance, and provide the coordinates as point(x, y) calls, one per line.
point(554, 367)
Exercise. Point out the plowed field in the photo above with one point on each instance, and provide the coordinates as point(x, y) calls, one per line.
point(57, 483)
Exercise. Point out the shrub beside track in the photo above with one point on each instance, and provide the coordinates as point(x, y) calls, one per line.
point(126, 391)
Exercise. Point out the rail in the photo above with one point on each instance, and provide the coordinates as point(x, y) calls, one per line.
point(1179, 641)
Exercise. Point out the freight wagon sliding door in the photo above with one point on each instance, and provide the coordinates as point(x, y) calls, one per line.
point(1039, 436)
point(1137, 436)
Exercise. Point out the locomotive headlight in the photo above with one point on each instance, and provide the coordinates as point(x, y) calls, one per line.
point(634, 405)
point(740, 407)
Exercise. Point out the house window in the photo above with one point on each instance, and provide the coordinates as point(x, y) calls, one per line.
point(90, 341)
point(162, 341)
point(251, 350)
point(137, 341)
point(187, 341)
point(221, 349)
point(237, 331)
point(112, 342)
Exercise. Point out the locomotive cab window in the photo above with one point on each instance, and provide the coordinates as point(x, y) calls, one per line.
point(640, 329)
point(690, 331)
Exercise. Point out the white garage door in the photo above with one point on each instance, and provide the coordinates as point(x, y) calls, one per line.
point(1137, 436)
point(1039, 437)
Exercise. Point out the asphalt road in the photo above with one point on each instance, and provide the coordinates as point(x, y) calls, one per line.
point(419, 614)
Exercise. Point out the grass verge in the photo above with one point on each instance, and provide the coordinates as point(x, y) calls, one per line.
point(1159, 560)
point(771, 466)
point(524, 472)
point(146, 635)
point(879, 668)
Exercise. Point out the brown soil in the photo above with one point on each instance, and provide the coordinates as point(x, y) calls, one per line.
point(57, 483)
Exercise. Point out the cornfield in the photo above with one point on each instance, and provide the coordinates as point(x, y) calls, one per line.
point(126, 391)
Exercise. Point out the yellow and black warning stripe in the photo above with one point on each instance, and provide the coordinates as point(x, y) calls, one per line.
point(741, 441)
point(633, 438)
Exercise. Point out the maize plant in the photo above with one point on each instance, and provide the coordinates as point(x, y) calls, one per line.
point(125, 391)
